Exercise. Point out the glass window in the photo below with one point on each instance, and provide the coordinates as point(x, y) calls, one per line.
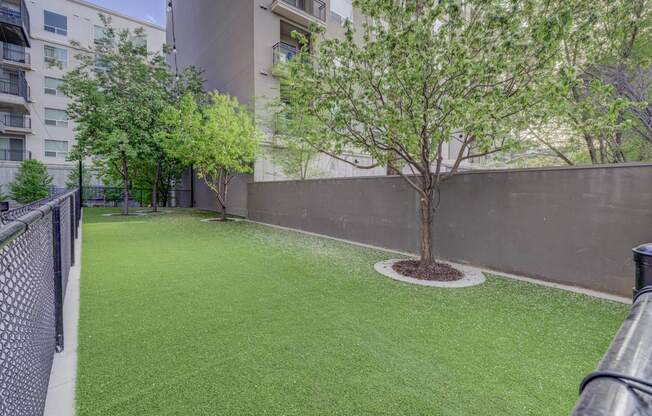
point(55, 23)
point(101, 65)
point(56, 56)
point(101, 34)
point(56, 148)
point(53, 86)
point(139, 40)
point(12, 149)
point(56, 118)
point(342, 10)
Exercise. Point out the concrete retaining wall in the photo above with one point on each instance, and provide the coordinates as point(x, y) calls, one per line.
point(569, 225)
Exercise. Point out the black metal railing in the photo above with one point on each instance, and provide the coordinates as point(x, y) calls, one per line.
point(14, 53)
point(283, 52)
point(112, 197)
point(16, 120)
point(17, 87)
point(315, 8)
point(622, 385)
point(13, 16)
point(14, 155)
point(36, 254)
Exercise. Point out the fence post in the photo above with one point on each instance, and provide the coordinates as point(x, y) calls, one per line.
point(58, 284)
point(73, 222)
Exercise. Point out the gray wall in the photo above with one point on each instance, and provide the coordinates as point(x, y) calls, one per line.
point(205, 197)
point(569, 225)
point(217, 37)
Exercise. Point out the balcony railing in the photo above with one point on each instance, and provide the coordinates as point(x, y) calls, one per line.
point(16, 15)
point(14, 53)
point(284, 52)
point(15, 120)
point(15, 155)
point(18, 88)
point(315, 8)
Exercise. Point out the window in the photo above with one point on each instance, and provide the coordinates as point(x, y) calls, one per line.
point(56, 148)
point(12, 149)
point(55, 23)
point(139, 40)
point(56, 118)
point(101, 65)
point(53, 86)
point(341, 10)
point(56, 56)
point(101, 34)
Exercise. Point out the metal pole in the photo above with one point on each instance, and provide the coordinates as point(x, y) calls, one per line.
point(73, 227)
point(192, 187)
point(58, 284)
point(81, 182)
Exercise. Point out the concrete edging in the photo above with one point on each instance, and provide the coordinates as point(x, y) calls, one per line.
point(472, 276)
point(60, 400)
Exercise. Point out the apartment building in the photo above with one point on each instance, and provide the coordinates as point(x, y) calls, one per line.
point(41, 39)
point(237, 44)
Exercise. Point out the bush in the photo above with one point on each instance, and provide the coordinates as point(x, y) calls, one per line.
point(32, 182)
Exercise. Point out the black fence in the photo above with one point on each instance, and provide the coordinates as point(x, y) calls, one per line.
point(111, 197)
point(622, 384)
point(37, 251)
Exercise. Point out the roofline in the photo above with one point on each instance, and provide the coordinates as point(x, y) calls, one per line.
point(118, 14)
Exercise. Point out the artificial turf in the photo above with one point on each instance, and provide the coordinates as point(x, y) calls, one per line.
point(183, 317)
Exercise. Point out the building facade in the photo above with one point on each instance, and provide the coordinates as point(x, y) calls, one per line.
point(237, 43)
point(33, 120)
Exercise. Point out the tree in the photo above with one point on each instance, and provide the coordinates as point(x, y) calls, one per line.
point(605, 82)
point(219, 139)
point(32, 182)
point(291, 149)
point(425, 71)
point(118, 93)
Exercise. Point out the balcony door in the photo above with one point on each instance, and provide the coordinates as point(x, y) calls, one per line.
point(12, 149)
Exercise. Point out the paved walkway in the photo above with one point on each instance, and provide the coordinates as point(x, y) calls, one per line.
point(61, 392)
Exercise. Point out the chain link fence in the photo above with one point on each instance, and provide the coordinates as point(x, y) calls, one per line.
point(36, 254)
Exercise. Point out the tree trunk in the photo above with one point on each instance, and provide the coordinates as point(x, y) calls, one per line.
point(125, 186)
point(222, 199)
point(426, 215)
point(157, 177)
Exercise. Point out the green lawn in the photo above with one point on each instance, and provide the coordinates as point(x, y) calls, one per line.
point(182, 317)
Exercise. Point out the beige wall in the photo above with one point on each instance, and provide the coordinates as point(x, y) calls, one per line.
point(82, 19)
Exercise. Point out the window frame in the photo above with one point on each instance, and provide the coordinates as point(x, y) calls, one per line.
point(54, 61)
point(57, 30)
point(56, 154)
point(57, 91)
point(58, 122)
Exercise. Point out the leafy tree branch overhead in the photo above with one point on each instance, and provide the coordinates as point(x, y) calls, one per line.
point(427, 71)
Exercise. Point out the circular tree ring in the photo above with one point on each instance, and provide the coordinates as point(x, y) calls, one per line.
point(472, 276)
point(221, 220)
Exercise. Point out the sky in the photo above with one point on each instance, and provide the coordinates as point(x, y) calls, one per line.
point(150, 10)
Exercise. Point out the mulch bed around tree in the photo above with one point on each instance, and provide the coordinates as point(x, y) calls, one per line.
point(438, 271)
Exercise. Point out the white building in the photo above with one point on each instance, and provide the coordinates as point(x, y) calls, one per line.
point(33, 122)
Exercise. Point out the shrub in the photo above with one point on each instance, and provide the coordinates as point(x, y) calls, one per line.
point(32, 182)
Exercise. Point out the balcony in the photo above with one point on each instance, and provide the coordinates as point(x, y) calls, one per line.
point(14, 89)
point(14, 21)
point(283, 52)
point(303, 12)
point(15, 55)
point(15, 123)
point(14, 155)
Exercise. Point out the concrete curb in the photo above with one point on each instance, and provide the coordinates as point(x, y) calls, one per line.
point(63, 378)
point(472, 276)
